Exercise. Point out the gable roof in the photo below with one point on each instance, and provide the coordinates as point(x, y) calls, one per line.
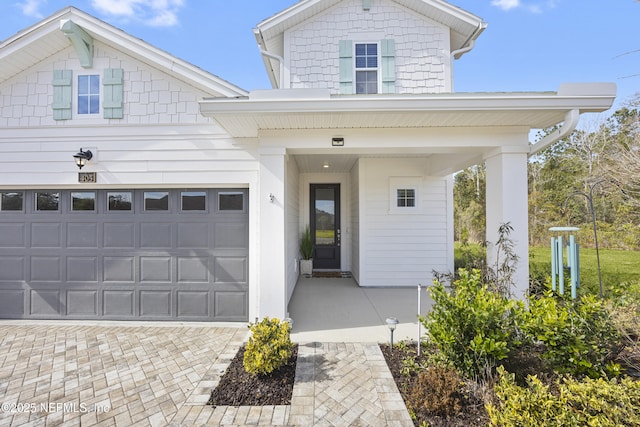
point(44, 39)
point(464, 26)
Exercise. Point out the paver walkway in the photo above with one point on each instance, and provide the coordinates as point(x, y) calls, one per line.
point(122, 375)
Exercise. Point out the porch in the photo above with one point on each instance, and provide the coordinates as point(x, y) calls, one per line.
point(338, 310)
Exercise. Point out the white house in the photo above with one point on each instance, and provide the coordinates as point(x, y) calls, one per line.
point(195, 195)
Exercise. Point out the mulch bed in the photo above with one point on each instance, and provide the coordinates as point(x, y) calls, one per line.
point(472, 414)
point(237, 387)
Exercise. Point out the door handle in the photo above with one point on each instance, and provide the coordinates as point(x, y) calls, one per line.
point(339, 236)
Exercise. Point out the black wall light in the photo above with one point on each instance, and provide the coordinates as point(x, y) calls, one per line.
point(82, 157)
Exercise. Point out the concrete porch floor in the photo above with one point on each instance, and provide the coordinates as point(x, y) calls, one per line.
point(338, 310)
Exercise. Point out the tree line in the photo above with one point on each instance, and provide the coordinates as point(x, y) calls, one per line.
point(598, 166)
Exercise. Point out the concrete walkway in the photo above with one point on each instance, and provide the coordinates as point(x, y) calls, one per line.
point(338, 310)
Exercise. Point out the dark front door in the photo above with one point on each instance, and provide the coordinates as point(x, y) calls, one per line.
point(325, 225)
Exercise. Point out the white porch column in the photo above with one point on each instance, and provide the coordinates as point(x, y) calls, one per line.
point(507, 202)
point(272, 277)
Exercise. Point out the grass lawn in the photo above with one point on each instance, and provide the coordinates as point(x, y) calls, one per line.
point(617, 266)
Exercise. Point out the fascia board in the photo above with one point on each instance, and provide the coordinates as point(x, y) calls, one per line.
point(480, 102)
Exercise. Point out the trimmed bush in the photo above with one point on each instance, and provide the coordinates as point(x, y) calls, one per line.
point(576, 403)
point(472, 326)
point(269, 346)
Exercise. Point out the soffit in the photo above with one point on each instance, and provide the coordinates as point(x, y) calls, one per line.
point(246, 117)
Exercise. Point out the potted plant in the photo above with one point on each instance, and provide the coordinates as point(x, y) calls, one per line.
point(306, 250)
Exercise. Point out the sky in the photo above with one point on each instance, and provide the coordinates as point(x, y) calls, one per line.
point(529, 45)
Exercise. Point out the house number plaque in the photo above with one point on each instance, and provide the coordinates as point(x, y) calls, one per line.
point(87, 177)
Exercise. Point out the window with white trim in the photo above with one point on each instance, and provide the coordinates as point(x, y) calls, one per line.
point(88, 94)
point(366, 67)
point(404, 194)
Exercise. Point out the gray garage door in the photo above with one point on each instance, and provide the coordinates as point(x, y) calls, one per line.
point(124, 254)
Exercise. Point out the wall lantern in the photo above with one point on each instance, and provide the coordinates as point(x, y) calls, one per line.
point(337, 142)
point(82, 157)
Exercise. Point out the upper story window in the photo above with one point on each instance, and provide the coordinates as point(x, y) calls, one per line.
point(366, 65)
point(89, 94)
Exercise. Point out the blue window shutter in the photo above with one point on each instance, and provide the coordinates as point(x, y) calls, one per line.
point(388, 65)
point(113, 93)
point(346, 67)
point(62, 94)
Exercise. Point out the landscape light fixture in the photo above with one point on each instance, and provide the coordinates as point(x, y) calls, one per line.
point(82, 157)
point(392, 322)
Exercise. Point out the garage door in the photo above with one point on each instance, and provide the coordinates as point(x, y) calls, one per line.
point(124, 254)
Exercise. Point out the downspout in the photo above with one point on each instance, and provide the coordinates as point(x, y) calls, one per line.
point(280, 61)
point(570, 122)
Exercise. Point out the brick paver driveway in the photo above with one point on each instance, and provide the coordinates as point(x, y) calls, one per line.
point(107, 375)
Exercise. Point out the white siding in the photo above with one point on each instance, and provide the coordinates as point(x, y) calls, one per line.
point(150, 97)
point(422, 60)
point(162, 140)
point(401, 249)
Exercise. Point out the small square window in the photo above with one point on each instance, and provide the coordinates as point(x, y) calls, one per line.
point(119, 201)
point(11, 201)
point(156, 201)
point(231, 201)
point(47, 201)
point(406, 198)
point(83, 201)
point(194, 200)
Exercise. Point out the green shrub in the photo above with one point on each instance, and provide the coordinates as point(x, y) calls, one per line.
point(575, 403)
point(269, 346)
point(472, 326)
point(579, 335)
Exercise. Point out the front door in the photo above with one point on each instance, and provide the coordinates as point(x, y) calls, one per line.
point(325, 225)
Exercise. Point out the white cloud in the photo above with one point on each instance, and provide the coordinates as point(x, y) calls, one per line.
point(155, 13)
point(536, 7)
point(506, 4)
point(31, 8)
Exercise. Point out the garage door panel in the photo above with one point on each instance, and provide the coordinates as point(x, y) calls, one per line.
point(155, 303)
point(46, 269)
point(193, 269)
point(82, 303)
point(193, 304)
point(12, 302)
point(82, 269)
point(155, 269)
point(118, 303)
point(230, 269)
point(231, 235)
point(119, 235)
point(118, 269)
point(193, 236)
point(155, 235)
point(45, 302)
point(130, 261)
point(46, 235)
point(12, 268)
point(82, 235)
point(12, 235)
point(231, 305)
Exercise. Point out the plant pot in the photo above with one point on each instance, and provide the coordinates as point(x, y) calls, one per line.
point(306, 267)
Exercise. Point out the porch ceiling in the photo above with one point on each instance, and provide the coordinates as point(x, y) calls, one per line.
point(299, 109)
